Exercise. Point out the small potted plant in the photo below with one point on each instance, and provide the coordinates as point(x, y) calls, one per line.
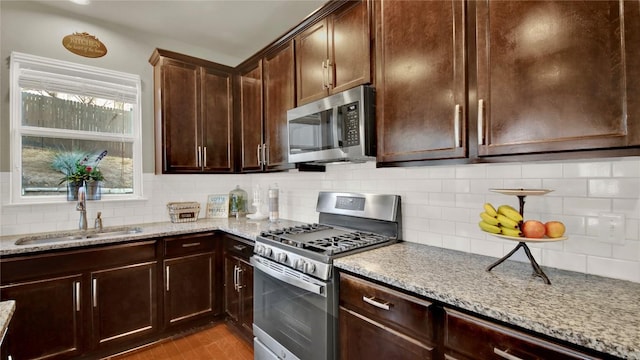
point(80, 168)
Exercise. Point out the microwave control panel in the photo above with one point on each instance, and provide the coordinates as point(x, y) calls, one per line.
point(350, 124)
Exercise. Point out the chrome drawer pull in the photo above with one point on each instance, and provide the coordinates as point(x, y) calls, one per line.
point(505, 355)
point(94, 295)
point(373, 301)
point(191, 244)
point(239, 247)
point(77, 291)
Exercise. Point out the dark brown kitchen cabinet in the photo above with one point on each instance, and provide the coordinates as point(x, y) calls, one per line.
point(379, 323)
point(334, 54)
point(557, 75)
point(238, 284)
point(193, 114)
point(79, 302)
point(47, 322)
point(123, 303)
point(190, 279)
point(467, 337)
point(420, 80)
point(251, 121)
point(279, 97)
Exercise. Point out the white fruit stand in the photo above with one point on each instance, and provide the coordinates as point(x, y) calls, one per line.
point(522, 241)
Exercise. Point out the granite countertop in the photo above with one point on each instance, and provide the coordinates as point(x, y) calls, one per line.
point(595, 312)
point(243, 227)
point(6, 312)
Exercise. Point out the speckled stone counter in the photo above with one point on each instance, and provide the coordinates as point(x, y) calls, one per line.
point(6, 311)
point(243, 227)
point(595, 312)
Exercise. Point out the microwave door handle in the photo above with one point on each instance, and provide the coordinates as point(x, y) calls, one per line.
point(339, 124)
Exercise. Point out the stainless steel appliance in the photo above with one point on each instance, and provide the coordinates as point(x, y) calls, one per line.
point(340, 127)
point(295, 285)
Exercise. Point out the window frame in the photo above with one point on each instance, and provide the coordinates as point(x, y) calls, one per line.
point(81, 72)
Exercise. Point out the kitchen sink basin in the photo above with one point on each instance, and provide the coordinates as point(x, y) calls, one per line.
point(74, 236)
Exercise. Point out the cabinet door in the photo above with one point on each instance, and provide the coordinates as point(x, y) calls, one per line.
point(557, 75)
point(246, 297)
point(189, 287)
point(124, 303)
point(420, 52)
point(349, 46)
point(217, 120)
point(47, 322)
point(231, 296)
point(279, 96)
point(312, 61)
point(179, 143)
point(251, 118)
point(362, 338)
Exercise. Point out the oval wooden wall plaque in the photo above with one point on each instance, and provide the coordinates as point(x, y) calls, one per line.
point(84, 44)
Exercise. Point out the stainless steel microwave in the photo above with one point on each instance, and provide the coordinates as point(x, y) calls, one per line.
point(340, 127)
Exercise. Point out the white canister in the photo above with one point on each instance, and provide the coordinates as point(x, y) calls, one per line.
point(274, 199)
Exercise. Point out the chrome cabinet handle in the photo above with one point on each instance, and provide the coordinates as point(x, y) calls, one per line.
point(480, 122)
point(94, 292)
point(240, 286)
point(199, 158)
point(266, 154)
point(258, 154)
point(505, 355)
point(77, 293)
point(324, 75)
point(167, 275)
point(329, 74)
point(239, 247)
point(204, 162)
point(456, 127)
point(235, 277)
point(373, 301)
point(190, 244)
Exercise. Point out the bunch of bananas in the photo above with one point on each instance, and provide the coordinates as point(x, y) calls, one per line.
point(506, 220)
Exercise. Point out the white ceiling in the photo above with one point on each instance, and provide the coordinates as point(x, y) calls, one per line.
point(235, 28)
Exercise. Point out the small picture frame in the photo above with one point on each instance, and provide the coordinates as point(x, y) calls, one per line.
point(218, 206)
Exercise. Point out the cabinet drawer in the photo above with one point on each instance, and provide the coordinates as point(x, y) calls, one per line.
point(240, 247)
point(189, 244)
point(474, 338)
point(403, 313)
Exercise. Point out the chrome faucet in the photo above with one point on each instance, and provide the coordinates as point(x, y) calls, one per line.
point(82, 206)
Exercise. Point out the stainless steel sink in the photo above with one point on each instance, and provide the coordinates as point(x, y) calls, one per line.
point(75, 236)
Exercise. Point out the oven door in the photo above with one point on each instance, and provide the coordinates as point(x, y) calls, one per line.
point(293, 315)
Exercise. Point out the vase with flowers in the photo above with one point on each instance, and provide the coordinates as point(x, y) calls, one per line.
point(80, 169)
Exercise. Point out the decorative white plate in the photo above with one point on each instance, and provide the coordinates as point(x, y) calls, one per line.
point(524, 239)
point(521, 192)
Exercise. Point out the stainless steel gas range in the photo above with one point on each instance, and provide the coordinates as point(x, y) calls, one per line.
point(295, 285)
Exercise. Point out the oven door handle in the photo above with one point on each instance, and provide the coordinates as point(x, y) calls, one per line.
point(316, 289)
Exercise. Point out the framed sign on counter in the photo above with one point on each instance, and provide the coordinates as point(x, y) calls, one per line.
point(218, 206)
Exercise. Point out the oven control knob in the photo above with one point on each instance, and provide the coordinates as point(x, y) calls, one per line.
point(299, 264)
point(267, 251)
point(281, 257)
point(259, 249)
point(309, 268)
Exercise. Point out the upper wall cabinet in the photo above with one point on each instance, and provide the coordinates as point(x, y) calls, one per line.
point(250, 117)
point(420, 80)
point(334, 54)
point(557, 75)
point(193, 114)
point(279, 97)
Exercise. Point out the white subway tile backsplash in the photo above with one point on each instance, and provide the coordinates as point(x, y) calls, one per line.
point(587, 169)
point(586, 206)
point(542, 170)
point(614, 188)
point(440, 204)
point(626, 168)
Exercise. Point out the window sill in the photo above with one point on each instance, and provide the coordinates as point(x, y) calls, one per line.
point(60, 201)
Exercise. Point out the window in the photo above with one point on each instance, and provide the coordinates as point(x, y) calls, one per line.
point(70, 114)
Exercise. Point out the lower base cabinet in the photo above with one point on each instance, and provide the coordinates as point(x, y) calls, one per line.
point(238, 285)
point(377, 322)
point(381, 323)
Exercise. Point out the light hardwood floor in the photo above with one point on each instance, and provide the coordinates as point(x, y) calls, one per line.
point(216, 342)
